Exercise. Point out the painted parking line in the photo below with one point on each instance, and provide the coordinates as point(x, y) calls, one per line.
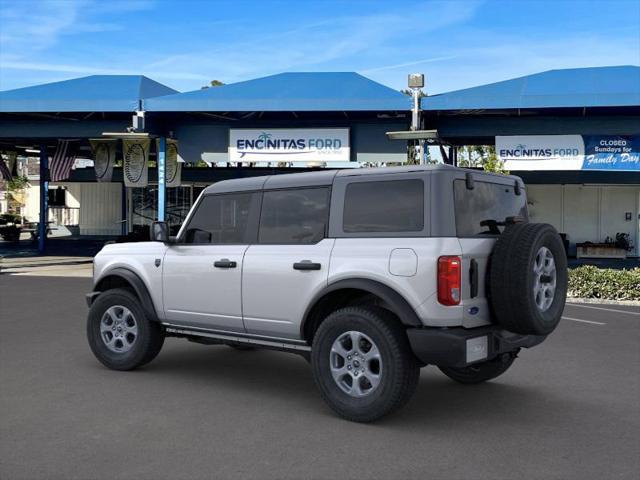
point(603, 308)
point(583, 321)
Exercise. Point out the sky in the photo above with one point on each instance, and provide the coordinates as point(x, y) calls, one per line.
point(185, 44)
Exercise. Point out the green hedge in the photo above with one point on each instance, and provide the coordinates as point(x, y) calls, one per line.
point(593, 282)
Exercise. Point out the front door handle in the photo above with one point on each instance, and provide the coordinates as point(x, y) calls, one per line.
point(224, 263)
point(306, 265)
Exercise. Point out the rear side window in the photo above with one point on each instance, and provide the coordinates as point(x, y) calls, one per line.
point(384, 206)
point(295, 216)
point(221, 219)
point(487, 203)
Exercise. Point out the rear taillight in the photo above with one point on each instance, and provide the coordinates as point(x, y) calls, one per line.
point(449, 280)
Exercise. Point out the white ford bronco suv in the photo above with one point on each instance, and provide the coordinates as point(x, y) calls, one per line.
point(370, 274)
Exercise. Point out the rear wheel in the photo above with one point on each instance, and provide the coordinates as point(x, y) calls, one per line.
point(480, 372)
point(120, 334)
point(363, 364)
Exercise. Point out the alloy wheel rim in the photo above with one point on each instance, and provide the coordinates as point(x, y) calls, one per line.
point(356, 364)
point(118, 329)
point(544, 280)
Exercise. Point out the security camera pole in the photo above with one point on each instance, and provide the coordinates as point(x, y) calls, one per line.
point(416, 83)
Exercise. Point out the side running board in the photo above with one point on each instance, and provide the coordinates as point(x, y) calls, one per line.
point(295, 346)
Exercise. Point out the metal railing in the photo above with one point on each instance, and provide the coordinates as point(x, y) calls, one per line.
point(64, 215)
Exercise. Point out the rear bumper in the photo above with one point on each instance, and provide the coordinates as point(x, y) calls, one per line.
point(459, 347)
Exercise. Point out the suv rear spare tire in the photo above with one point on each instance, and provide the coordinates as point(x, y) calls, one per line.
point(528, 278)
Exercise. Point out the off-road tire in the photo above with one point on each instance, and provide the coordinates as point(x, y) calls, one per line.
point(511, 278)
point(399, 375)
point(480, 372)
point(149, 339)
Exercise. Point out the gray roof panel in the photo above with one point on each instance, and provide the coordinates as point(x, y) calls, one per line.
point(306, 179)
point(237, 185)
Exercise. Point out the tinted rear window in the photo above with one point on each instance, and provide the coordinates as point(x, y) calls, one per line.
point(487, 201)
point(294, 216)
point(384, 206)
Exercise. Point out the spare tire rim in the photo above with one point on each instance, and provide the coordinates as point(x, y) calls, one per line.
point(544, 282)
point(356, 364)
point(118, 329)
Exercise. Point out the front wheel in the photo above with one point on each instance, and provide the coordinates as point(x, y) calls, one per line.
point(363, 364)
point(120, 334)
point(480, 372)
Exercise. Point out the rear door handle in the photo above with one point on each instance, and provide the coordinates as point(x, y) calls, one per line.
point(224, 263)
point(306, 265)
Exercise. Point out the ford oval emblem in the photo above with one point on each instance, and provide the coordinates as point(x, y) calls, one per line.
point(473, 310)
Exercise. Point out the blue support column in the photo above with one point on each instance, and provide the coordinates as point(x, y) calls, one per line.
point(162, 179)
point(44, 199)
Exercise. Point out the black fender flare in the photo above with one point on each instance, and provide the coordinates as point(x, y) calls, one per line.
point(396, 302)
point(136, 283)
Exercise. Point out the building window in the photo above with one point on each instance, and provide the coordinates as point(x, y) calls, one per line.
point(144, 208)
point(294, 216)
point(57, 197)
point(384, 206)
point(221, 219)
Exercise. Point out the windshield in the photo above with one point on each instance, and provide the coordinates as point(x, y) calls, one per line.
point(479, 210)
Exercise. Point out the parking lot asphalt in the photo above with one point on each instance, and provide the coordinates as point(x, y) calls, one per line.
point(567, 409)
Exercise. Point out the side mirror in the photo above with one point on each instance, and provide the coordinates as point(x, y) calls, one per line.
point(159, 232)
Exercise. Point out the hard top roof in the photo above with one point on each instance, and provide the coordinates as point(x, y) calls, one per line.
point(311, 179)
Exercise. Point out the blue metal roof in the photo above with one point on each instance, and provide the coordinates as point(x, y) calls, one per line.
point(96, 93)
point(577, 87)
point(298, 92)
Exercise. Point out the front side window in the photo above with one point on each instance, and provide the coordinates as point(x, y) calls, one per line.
point(221, 219)
point(295, 216)
point(384, 206)
point(481, 210)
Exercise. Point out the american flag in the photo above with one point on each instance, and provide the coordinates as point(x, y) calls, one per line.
point(4, 170)
point(62, 161)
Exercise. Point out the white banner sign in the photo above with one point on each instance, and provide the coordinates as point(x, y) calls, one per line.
point(104, 157)
point(136, 162)
point(541, 152)
point(289, 145)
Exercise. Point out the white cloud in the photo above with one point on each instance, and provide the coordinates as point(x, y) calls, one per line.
point(408, 64)
point(31, 27)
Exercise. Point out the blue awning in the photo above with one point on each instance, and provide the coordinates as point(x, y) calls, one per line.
point(577, 87)
point(288, 92)
point(96, 93)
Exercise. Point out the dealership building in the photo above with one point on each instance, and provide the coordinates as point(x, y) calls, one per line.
point(573, 135)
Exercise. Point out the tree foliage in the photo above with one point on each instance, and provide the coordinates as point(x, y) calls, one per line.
point(475, 156)
point(213, 83)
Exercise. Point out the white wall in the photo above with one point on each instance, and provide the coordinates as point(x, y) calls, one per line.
point(587, 212)
point(100, 208)
point(31, 208)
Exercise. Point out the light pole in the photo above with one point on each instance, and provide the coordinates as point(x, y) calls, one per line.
point(416, 83)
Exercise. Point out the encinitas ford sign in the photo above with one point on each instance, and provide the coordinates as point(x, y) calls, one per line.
point(569, 152)
point(541, 152)
point(289, 145)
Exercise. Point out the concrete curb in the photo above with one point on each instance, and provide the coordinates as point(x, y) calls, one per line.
point(601, 301)
point(12, 263)
point(7, 268)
